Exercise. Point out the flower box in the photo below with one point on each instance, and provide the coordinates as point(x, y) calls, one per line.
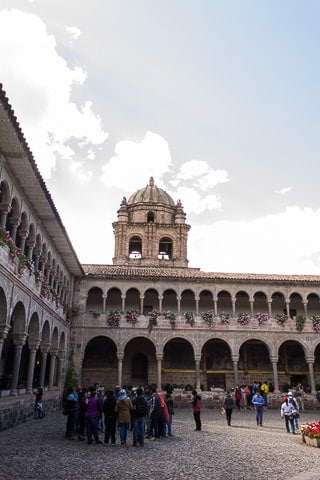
point(313, 442)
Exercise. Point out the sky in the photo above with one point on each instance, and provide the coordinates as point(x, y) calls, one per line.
point(218, 100)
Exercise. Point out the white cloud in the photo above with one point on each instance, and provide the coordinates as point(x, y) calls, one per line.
point(283, 243)
point(284, 191)
point(74, 31)
point(135, 163)
point(194, 203)
point(201, 175)
point(39, 84)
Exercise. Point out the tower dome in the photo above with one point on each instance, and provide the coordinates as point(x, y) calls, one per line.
point(151, 194)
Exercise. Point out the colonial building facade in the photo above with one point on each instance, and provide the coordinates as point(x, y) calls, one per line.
point(148, 317)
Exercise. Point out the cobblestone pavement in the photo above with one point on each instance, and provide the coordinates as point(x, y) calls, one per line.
point(38, 450)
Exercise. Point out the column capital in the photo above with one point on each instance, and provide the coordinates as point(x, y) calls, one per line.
point(4, 329)
point(159, 357)
point(235, 358)
point(310, 359)
point(19, 339)
point(274, 358)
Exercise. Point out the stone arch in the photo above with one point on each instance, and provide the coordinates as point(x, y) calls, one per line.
point(165, 248)
point(292, 364)
point(278, 304)
point(178, 364)
point(135, 247)
point(169, 300)
point(151, 300)
point(313, 304)
point(94, 300)
point(254, 361)
point(188, 301)
point(3, 307)
point(296, 305)
point(224, 302)
point(141, 350)
point(100, 363)
point(133, 299)
point(114, 300)
point(205, 301)
point(242, 304)
point(216, 362)
point(260, 302)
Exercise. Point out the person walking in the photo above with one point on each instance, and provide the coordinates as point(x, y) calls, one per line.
point(170, 407)
point(228, 406)
point(288, 412)
point(296, 407)
point(123, 408)
point(196, 407)
point(38, 405)
point(139, 412)
point(71, 410)
point(258, 403)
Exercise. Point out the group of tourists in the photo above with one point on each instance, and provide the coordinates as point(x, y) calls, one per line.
point(144, 411)
point(290, 408)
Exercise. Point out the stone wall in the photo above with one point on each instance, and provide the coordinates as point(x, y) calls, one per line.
point(20, 409)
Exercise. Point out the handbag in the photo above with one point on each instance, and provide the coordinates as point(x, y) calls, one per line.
point(222, 411)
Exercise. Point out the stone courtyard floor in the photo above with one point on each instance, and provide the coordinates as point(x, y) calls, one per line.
point(38, 450)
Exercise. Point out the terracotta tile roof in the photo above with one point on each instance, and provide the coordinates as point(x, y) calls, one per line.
point(112, 271)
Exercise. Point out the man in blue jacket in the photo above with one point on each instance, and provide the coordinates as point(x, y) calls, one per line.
point(258, 402)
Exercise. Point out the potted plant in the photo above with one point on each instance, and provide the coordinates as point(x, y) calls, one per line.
point(153, 316)
point(225, 317)
point(208, 317)
point(311, 433)
point(300, 322)
point(189, 318)
point(171, 316)
point(243, 318)
point(281, 318)
point(132, 317)
point(114, 318)
point(261, 317)
point(316, 322)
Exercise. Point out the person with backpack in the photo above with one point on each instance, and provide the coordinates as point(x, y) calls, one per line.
point(139, 412)
point(228, 406)
point(295, 405)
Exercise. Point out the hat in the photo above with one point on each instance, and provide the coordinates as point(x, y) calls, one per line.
point(289, 394)
point(122, 394)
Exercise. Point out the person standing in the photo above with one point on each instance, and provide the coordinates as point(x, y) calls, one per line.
point(71, 410)
point(299, 393)
point(238, 396)
point(287, 412)
point(170, 407)
point(295, 405)
point(154, 413)
point(196, 407)
point(123, 408)
point(228, 406)
point(92, 415)
point(110, 417)
point(258, 403)
point(139, 412)
point(38, 406)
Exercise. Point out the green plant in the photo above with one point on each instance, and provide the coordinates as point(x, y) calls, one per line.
point(208, 317)
point(189, 318)
point(153, 319)
point(281, 318)
point(225, 317)
point(300, 322)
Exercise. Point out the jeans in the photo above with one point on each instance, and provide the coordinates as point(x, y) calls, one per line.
point(92, 428)
point(169, 425)
point(123, 432)
point(196, 416)
point(138, 431)
point(259, 415)
point(288, 420)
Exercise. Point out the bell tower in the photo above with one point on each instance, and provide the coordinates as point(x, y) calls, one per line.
point(151, 230)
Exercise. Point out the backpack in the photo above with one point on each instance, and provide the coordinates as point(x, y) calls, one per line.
point(140, 407)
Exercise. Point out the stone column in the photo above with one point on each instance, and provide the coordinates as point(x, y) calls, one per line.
point(160, 303)
point(123, 304)
point(5, 209)
point(104, 299)
point(274, 361)
point(141, 304)
point(235, 359)
point(19, 339)
point(305, 309)
point(310, 362)
point(233, 301)
point(53, 353)
point(33, 346)
point(60, 358)
point(179, 305)
point(4, 329)
point(251, 308)
point(269, 308)
point(197, 305)
point(159, 363)
point(197, 359)
point(215, 307)
point(120, 364)
point(44, 355)
point(288, 307)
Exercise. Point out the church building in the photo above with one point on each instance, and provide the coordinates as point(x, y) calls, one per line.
point(146, 319)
